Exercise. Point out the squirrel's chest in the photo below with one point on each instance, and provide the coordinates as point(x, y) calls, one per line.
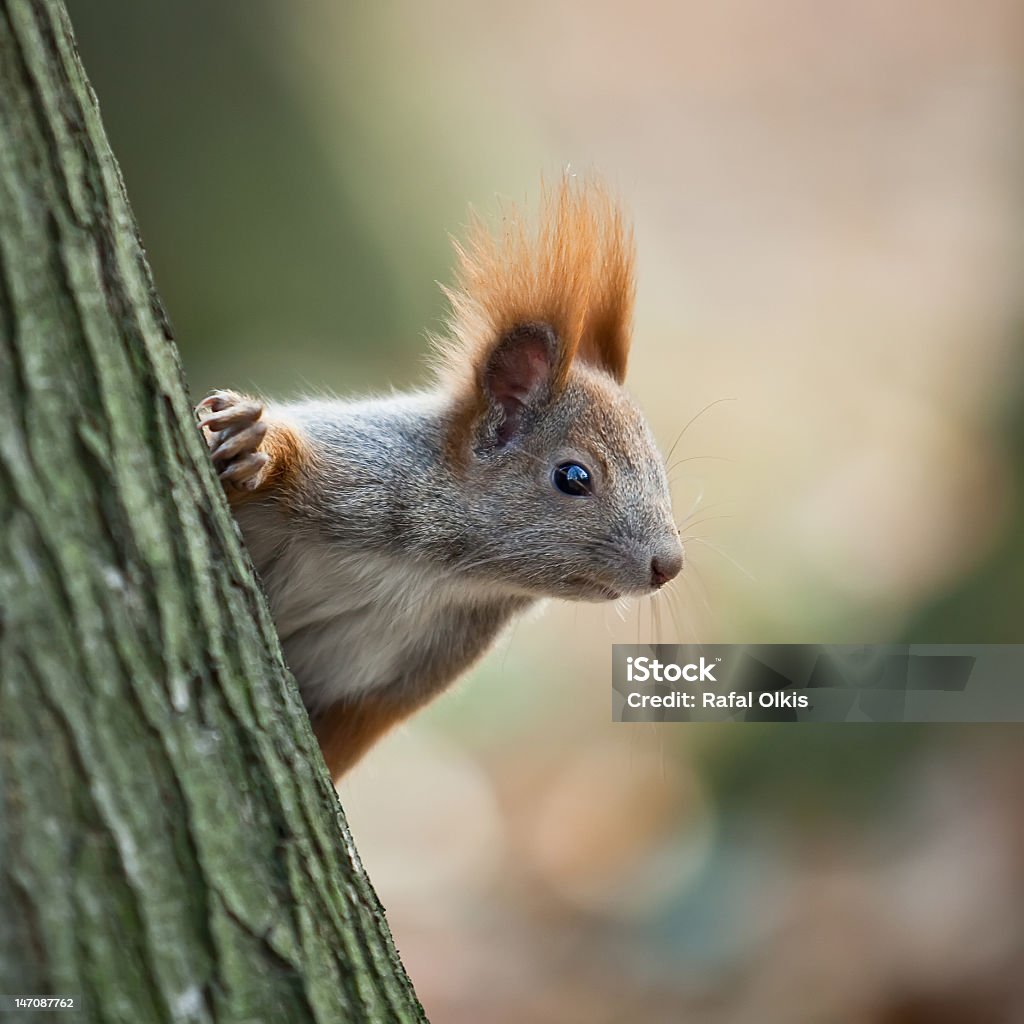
point(352, 621)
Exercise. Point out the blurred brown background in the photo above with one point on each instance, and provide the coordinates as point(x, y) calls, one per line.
point(828, 204)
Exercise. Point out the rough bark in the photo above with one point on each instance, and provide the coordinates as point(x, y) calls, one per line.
point(171, 848)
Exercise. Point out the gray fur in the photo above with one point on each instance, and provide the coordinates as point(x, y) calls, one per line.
point(392, 569)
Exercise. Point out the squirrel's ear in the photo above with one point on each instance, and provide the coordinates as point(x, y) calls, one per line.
point(517, 375)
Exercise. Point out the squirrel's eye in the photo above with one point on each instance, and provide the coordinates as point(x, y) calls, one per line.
point(572, 478)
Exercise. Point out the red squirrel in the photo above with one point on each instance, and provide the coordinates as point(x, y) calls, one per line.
point(396, 537)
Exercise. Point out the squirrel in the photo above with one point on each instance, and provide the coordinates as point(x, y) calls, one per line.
point(397, 537)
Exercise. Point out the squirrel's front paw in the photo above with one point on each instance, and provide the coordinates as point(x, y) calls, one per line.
point(234, 430)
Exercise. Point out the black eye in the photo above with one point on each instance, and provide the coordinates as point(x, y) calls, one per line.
point(572, 478)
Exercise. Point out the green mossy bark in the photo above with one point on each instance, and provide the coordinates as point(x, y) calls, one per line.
point(171, 848)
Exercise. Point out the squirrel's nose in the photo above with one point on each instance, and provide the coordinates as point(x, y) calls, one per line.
point(666, 567)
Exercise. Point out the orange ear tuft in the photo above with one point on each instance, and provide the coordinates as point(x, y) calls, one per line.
point(608, 331)
point(573, 272)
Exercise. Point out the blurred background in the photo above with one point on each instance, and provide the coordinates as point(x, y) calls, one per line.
point(829, 208)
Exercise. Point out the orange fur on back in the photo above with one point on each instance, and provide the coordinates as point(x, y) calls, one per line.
point(347, 729)
point(573, 271)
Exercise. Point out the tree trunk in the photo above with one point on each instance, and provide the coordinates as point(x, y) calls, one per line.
point(171, 848)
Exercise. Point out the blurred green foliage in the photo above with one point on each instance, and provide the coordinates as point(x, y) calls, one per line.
point(266, 266)
point(987, 606)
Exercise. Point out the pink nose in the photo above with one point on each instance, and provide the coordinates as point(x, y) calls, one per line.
point(665, 568)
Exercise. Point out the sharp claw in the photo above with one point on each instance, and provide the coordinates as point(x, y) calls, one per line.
point(244, 472)
point(235, 442)
point(233, 430)
point(238, 414)
point(216, 401)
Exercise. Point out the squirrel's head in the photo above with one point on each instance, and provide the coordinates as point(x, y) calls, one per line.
point(566, 492)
